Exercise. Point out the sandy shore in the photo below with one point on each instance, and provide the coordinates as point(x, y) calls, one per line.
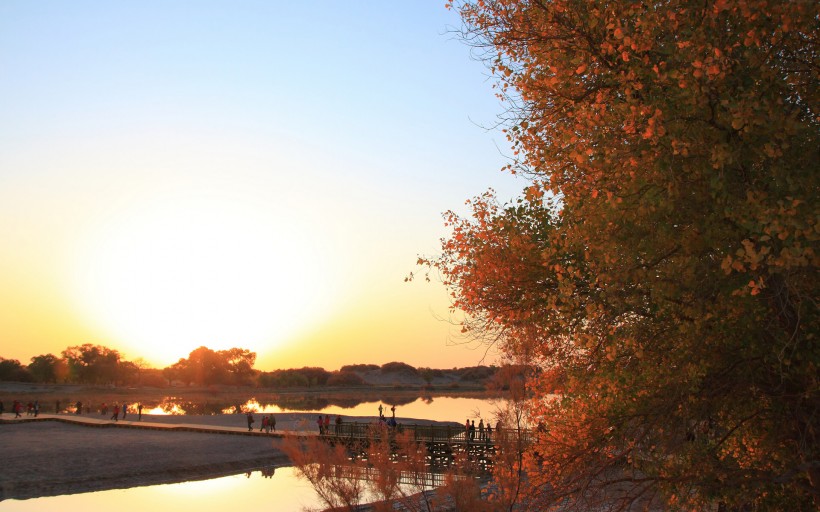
point(50, 458)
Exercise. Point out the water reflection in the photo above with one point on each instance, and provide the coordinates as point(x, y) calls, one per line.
point(269, 489)
point(165, 407)
point(433, 408)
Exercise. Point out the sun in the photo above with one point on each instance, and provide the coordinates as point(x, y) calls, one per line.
point(166, 278)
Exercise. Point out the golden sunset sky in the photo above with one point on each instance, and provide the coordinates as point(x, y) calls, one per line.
point(254, 174)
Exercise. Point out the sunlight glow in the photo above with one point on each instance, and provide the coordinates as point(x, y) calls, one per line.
point(171, 276)
point(253, 405)
point(166, 410)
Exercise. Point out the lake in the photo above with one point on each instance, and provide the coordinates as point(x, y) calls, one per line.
point(280, 491)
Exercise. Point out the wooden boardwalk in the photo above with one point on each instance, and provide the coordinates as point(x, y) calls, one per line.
point(443, 445)
point(91, 421)
point(447, 434)
point(443, 442)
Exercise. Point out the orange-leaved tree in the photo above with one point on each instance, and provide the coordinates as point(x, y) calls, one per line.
point(661, 268)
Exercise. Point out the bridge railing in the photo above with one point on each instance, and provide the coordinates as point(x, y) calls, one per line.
point(423, 433)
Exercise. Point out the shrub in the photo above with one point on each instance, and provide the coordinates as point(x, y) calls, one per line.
point(345, 378)
point(359, 368)
point(396, 367)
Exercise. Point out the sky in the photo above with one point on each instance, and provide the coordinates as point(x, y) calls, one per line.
point(252, 174)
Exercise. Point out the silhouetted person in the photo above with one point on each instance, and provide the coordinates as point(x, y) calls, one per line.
point(250, 421)
point(139, 411)
point(79, 407)
point(272, 422)
point(338, 425)
point(116, 414)
point(124, 410)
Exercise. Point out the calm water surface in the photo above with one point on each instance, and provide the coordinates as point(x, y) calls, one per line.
point(282, 491)
point(438, 409)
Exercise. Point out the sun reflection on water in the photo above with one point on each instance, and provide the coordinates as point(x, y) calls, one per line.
point(168, 406)
point(253, 405)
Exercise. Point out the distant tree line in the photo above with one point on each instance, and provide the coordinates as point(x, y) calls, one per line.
point(99, 365)
point(81, 364)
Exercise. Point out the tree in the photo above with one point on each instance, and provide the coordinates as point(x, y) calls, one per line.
point(140, 365)
point(240, 365)
point(92, 364)
point(47, 368)
point(661, 268)
point(206, 366)
point(12, 370)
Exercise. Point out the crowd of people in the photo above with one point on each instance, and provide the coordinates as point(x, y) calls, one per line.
point(268, 423)
point(480, 433)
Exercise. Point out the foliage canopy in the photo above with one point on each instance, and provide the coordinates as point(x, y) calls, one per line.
point(661, 268)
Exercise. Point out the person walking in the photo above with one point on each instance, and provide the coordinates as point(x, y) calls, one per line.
point(36, 408)
point(116, 414)
point(264, 424)
point(321, 425)
point(338, 425)
point(272, 422)
point(139, 411)
point(250, 421)
point(124, 410)
point(327, 423)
